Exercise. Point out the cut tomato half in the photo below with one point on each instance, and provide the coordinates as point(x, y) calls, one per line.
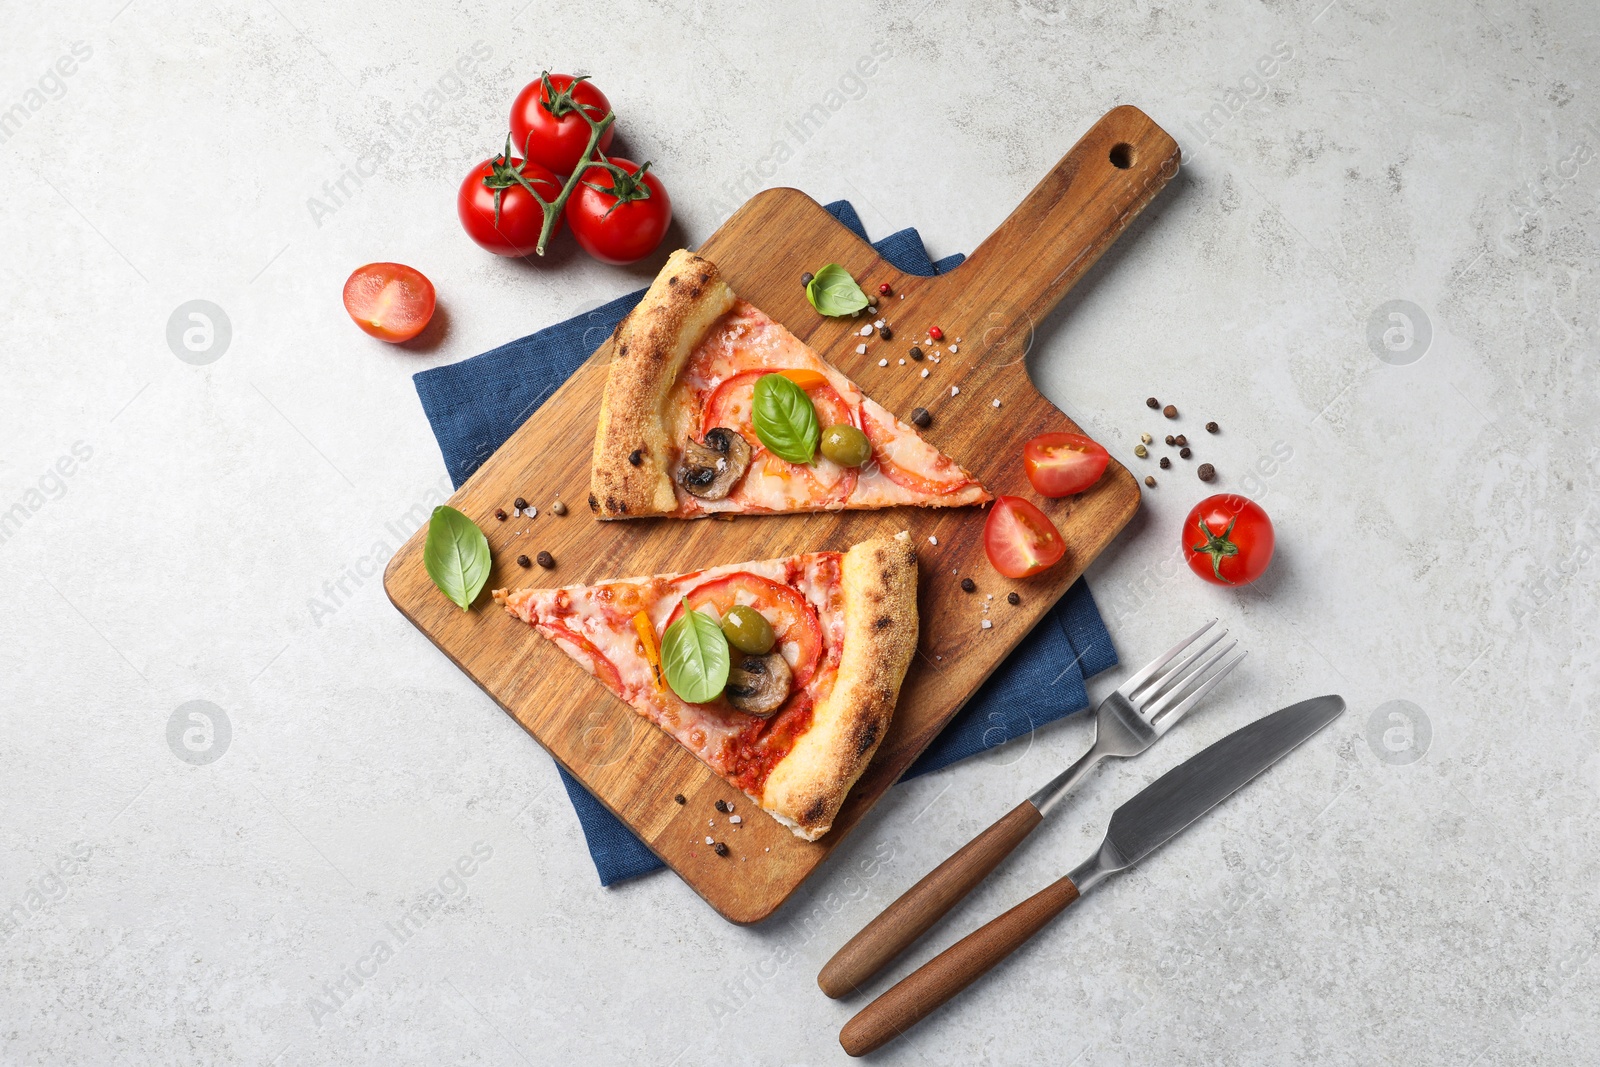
point(793, 620)
point(1019, 539)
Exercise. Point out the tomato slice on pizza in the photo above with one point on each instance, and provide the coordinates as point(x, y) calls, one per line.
point(796, 725)
point(678, 433)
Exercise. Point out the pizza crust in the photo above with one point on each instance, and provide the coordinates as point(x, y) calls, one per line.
point(806, 788)
point(650, 347)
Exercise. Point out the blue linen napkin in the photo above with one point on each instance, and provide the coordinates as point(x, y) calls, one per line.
point(474, 405)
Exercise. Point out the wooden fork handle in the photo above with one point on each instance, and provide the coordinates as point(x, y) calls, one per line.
point(951, 971)
point(901, 923)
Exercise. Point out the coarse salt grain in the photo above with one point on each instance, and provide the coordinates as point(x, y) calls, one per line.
point(872, 309)
point(902, 363)
point(924, 372)
point(955, 390)
point(987, 625)
point(861, 350)
point(932, 540)
point(881, 362)
point(737, 819)
point(710, 840)
point(532, 513)
point(879, 324)
point(954, 350)
point(866, 331)
point(996, 401)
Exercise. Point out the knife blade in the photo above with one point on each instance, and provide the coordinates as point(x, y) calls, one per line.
point(1140, 826)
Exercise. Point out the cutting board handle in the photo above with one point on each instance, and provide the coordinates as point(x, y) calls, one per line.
point(1073, 215)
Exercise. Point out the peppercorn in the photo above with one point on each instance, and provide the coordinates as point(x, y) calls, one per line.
point(559, 508)
point(920, 418)
point(968, 585)
point(546, 560)
point(523, 561)
point(1184, 452)
point(1146, 438)
point(519, 503)
point(1171, 440)
point(1212, 427)
point(1012, 598)
point(916, 353)
point(883, 287)
point(1206, 472)
point(1170, 411)
point(1180, 440)
point(721, 805)
point(1140, 451)
point(720, 849)
point(886, 333)
point(500, 513)
point(636, 457)
point(805, 279)
point(1149, 479)
point(1165, 462)
point(679, 798)
point(936, 333)
point(1152, 402)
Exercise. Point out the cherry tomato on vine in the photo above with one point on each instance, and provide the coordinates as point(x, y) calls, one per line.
point(1060, 464)
point(496, 209)
point(620, 212)
point(1228, 539)
point(1019, 539)
point(390, 301)
point(546, 125)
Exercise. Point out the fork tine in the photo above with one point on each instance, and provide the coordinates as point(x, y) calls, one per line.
point(1127, 688)
point(1169, 716)
point(1173, 675)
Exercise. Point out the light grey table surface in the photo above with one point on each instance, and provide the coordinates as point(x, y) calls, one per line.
point(1416, 886)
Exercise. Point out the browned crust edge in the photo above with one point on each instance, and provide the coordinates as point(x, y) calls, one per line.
point(649, 350)
point(807, 787)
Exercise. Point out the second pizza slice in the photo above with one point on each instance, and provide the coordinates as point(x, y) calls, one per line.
point(712, 407)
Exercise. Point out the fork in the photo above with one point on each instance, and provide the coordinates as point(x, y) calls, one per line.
point(1127, 722)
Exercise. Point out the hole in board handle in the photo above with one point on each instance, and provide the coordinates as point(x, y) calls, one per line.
point(1121, 155)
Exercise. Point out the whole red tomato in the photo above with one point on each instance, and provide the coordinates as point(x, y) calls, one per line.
point(1019, 539)
point(619, 212)
point(496, 209)
point(546, 125)
point(1060, 464)
point(1228, 539)
point(390, 301)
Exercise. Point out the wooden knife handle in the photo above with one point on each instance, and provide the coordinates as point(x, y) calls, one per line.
point(901, 923)
point(952, 970)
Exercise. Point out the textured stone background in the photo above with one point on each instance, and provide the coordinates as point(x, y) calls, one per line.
point(1417, 886)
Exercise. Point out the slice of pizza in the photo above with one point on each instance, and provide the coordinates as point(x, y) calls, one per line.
point(680, 433)
point(796, 724)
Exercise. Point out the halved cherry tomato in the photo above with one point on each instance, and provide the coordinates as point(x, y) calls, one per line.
point(390, 301)
point(545, 123)
point(1019, 539)
point(792, 618)
point(1228, 539)
point(599, 666)
point(1060, 464)
point(942, 475)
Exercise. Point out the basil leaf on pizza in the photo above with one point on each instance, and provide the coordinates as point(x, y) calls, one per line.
point(785, 419)
point(833, 292)
point(456, 555)
point(694, 657)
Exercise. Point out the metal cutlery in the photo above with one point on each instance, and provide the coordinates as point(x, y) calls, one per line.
point(1127, 722)
point(1138, 827)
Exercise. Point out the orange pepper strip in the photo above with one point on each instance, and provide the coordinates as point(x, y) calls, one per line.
point(805, 379)
point(647, 637)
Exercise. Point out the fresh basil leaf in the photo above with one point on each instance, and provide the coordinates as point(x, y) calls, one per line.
point(785, 419)
point(833, 292)
point(456, 555)
point(694, 656)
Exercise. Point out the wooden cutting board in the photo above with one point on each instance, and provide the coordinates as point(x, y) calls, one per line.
point(990, 303)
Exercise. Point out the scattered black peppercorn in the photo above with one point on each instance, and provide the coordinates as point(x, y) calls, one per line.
point(523, 561)
point(920, 418)
point(1165, 462)
point(500, 513)
point(1184, 452)
point(1171, 440)
point(519, 503)
point(886, 333)
point(546, 560)
point(968, 585)
point(1152, 403)
point(1170, 411)
point(559, 508)
point(805, 279)
point(679, 798)
point(721, 805)
point(916, 353)
point(1212, 427)
point(636, 457)
point(1206, 472)
point(1150, 480)
point(1180, 440)
point(720, 849)
point(1012, 598)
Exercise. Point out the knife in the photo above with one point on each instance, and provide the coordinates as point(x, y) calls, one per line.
point(1138, 828)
